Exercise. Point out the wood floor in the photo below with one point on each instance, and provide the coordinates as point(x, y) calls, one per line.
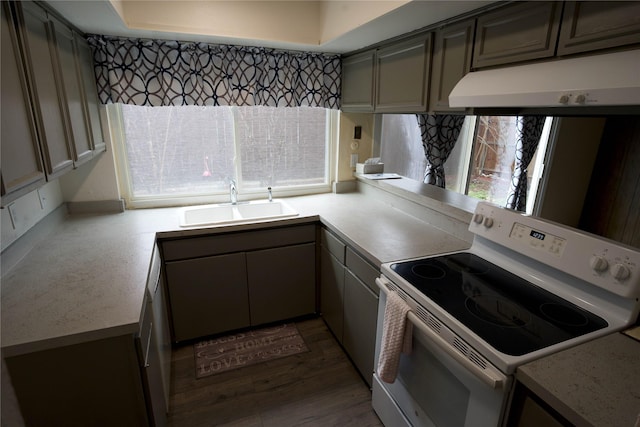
point(317, 388)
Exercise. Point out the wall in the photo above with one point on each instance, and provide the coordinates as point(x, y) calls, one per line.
point(348, 145)
point(612, 205)
point(568, 171)
point(97, 180)
point(24, 213)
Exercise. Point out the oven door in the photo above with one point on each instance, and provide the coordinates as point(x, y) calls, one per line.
point(437, 385)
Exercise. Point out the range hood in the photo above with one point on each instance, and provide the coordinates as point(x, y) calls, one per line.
point(606, 82)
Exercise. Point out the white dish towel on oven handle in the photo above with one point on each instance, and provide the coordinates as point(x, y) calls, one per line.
point(397, 332)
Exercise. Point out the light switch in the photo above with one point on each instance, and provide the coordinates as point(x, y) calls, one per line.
point(354, 160)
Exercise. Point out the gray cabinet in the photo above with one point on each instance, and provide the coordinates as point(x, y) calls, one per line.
point(50, 116)
point(71, 83)
point(519, 32)
point(592, 25)
point(90, 94)
point(452, 49)
point(358, 82)
point(228, 281)
point(92, 383)
point(22, 169)
point(332, 271)
point(349, 301)
point(208, 295)
point(281, 283)
point(48, 96)
point(360, 314)
point(118, 380)
point(402, 76)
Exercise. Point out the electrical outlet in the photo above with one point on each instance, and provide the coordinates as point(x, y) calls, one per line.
point(354, 160)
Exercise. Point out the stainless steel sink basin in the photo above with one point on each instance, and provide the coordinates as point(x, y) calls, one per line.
point(226, 213)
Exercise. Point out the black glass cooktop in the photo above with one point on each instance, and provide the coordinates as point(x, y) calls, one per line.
point(508, 312)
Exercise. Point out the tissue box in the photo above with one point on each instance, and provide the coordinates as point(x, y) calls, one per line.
point(364, 168)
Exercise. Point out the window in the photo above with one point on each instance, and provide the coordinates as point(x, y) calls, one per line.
point(480, 165)
point(189, 154)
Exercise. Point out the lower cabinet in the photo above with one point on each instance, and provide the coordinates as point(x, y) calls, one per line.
point(360, 316)
point(120, 380)
point(249, 279)
point(349, 301)
point(281, 283)
point(208, 295)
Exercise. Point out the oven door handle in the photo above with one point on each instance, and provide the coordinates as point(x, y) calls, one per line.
point(493, 379)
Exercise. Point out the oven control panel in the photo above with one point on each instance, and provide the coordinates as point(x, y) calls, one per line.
point(600, 261)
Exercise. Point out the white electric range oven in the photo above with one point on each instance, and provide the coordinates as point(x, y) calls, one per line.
point(525, 289)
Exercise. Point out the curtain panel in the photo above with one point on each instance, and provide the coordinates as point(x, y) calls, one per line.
point(160, 73)
point(439, 135)
point(529, 133)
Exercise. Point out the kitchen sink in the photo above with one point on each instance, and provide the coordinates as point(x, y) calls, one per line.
point(226, 213)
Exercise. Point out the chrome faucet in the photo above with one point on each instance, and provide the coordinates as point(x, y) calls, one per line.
point(233, 192)
point(269, 195)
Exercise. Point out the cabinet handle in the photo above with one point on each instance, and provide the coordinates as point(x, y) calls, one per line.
point(146, 353)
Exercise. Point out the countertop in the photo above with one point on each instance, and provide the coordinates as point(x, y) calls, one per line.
point(86, 280)
point(593, 384)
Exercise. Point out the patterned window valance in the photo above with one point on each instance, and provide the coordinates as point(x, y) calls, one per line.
point(159, 72)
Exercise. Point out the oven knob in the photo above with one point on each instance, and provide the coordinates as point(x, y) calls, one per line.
point(478, 218)
point(598, 263)
point(488, 222)
point(620, 271)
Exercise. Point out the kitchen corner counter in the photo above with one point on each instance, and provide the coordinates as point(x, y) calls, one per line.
point(86, 280)
point(593, 384)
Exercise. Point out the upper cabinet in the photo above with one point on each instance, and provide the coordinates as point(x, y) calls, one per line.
point(71, 84)
point(47, 93)
point(520, 32)
point(50, 116)
point(22, 169)
point(402, 75)
point(358, 82)
point(394, 78)
point(592, 25)
point(452, 51)
point(84, 62)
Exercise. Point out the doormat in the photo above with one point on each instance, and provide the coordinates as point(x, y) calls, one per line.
point(247, 348)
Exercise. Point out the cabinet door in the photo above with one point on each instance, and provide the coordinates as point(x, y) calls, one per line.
point(591, 25)
point(519, 32)
point(281, 283)
point(332, 292)
point(72, 93)
point(21, 162)
point(360, 316)
point(403, 76)
point(358, 82)
point(92, 103)
point(452, 50)
point(207, 295)
point(47, 95)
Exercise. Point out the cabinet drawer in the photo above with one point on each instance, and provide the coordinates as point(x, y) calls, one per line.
point(333, 244)
point(363, 270)
point(519, 32)
point(217, 244)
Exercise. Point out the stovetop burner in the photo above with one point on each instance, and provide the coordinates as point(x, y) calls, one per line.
point(508, 312)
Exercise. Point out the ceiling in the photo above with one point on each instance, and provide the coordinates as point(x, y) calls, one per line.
point(336, 26)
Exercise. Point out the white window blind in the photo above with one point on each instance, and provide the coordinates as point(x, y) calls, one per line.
point(171, 154)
